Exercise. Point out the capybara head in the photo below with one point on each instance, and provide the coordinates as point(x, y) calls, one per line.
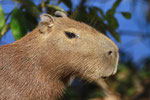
point(83, 51)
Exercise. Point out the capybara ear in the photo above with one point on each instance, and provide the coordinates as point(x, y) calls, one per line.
point(46, 22)
point(60, 14)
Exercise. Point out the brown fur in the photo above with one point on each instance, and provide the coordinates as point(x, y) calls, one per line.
point(40, 65)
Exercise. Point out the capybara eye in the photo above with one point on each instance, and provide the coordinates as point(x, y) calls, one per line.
point(71, 35)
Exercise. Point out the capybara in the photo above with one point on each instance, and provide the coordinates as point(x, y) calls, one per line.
point(41, 64)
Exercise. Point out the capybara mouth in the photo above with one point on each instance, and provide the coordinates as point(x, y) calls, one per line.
point(105, 77)
point(109, 75)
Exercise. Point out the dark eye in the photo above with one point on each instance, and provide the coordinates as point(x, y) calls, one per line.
point(71, 35)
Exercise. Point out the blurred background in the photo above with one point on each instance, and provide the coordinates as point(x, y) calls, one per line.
point(126, 22)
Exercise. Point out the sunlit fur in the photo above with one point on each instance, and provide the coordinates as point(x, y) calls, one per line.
point(40, 65)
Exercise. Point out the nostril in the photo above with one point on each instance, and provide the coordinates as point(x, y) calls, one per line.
point(110, 53)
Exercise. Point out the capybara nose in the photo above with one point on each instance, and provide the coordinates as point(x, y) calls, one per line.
point(110, 53)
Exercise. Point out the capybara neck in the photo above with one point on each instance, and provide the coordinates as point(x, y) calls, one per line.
point(33, 68)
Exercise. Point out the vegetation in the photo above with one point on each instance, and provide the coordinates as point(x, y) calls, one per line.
point(130, 83)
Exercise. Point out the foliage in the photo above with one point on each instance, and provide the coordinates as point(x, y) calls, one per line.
point(128, 84)
point(24, 17)
point(18, 24)
point(2, 17)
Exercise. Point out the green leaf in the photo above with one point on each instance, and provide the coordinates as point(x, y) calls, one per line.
point(110, 13)
point(4, 29)
point(31, 21)
point(127, 15)
point(57, 8)
point(115, 34)
point(2, 18)
point(116, 4)
point(80, 15)
point(101, 12)
point(51, 9)
point(112, 21)
point(18, 24)
point(66, 2)
point(30, 7)
point(93, 11)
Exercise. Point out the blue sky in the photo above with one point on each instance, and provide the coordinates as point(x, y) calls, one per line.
point(134, 46)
